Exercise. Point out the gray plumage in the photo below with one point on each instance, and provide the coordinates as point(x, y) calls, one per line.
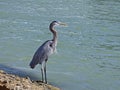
point(42, 53)
point(45, 50)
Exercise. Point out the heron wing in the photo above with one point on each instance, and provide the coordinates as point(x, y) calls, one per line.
point(41, 54)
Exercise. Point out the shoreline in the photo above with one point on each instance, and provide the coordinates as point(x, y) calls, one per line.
point(14, 82)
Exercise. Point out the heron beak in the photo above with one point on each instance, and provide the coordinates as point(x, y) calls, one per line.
point(63, 24)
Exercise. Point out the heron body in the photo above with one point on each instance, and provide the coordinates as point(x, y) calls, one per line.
point(45, 50)
point(42, 53)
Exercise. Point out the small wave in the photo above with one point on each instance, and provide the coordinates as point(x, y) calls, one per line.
point(16, 37)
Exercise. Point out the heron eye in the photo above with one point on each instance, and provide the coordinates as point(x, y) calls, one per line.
point(50, 45)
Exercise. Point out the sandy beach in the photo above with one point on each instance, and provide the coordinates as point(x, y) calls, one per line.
point(14, 82)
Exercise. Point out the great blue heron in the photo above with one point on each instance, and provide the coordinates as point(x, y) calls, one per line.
point(45, 50)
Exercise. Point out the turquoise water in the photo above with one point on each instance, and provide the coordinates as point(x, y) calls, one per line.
point(88, 51)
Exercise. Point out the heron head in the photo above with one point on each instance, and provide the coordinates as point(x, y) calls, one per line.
point(58, 23)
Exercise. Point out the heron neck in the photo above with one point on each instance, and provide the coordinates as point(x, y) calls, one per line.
point(54, 34)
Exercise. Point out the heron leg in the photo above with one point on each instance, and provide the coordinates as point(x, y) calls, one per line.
point(45, 73)
point(42, 75)
point(42, 70)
